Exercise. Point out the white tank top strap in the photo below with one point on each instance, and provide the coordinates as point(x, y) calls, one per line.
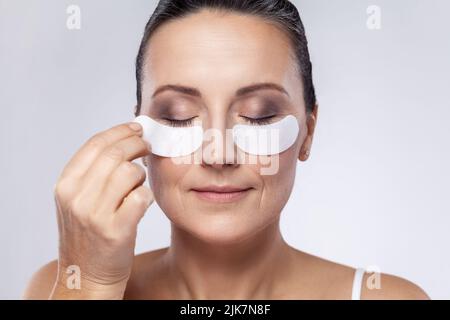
point(357, 284)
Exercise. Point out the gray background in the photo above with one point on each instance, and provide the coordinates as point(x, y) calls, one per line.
point(374, 192)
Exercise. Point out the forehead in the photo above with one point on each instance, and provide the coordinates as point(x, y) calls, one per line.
point(218, 52)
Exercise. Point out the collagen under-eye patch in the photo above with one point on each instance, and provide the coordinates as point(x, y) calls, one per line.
point(167, 141)
point(268, 139)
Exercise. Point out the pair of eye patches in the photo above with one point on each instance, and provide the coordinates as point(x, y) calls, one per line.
point(270, 139)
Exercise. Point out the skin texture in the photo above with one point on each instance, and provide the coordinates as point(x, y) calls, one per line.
point(218, 251)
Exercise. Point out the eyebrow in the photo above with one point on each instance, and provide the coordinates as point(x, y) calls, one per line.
point(239, 93)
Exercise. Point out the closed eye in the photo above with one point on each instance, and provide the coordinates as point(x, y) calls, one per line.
point(179, 123)
point(259, 121)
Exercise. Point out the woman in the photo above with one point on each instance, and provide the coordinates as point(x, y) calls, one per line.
point(223, 63)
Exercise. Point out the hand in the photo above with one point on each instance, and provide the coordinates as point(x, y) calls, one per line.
point(100, 200)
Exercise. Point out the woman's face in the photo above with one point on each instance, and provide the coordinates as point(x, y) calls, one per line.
point(218, 54)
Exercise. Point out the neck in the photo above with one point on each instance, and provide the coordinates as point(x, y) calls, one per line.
point(241, 270)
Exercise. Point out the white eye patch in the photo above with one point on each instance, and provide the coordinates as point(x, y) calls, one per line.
point(167, 141)
point(268, 139)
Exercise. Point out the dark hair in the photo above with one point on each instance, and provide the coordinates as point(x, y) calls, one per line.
point(281, 12)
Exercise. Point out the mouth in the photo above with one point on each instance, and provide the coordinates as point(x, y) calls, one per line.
point(221, 194)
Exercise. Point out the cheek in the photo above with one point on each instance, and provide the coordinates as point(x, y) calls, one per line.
point(277, 187)
point(274, 189)
point(164, 176)
point(286, 178)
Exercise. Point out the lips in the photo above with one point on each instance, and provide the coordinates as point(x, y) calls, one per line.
point(223, 194)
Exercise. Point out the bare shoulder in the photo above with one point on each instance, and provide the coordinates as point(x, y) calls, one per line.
point(144, 258)
point(383, 286)
point(320, 279)
point(40, 286)
point(41, 283)
point(149, 270)
point(333, 280)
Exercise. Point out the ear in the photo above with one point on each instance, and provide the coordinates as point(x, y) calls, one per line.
point(311, 120)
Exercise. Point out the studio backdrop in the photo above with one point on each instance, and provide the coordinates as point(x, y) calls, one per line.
point(374, 192)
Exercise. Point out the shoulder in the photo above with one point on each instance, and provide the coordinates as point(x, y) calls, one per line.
point(41, 283)
point(334, 280)
point(383, 286)
point(149, 271)
point(320, 279)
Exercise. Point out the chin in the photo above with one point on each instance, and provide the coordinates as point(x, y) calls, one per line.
point(221, 227)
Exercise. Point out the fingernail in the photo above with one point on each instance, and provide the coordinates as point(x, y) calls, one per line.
point(135, 126)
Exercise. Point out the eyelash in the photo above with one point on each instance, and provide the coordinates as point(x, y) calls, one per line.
point(188, 122)
point(179, 123)
point(259, 121)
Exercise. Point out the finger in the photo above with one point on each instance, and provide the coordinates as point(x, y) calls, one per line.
point(96, 177)
point(122, 181)
point(134, 207)
point(86, 155)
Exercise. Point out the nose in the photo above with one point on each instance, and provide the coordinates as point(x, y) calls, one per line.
point(218, 149)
